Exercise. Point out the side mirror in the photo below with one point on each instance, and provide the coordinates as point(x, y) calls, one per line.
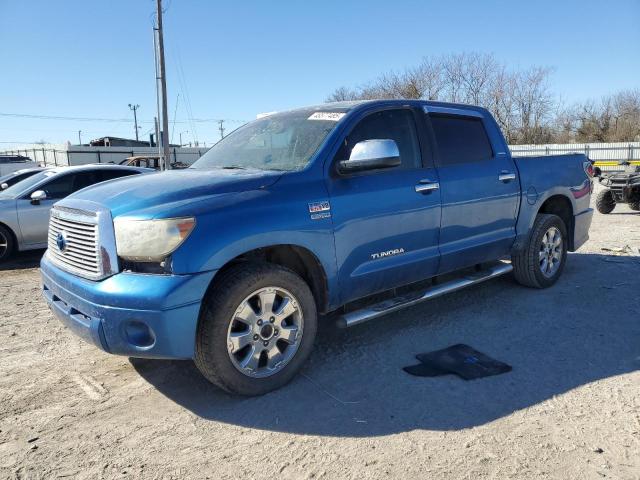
point(38, 196)
point(597, 172)
point(4, 186)
point(371, 155)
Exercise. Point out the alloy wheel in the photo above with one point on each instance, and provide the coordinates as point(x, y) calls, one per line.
point(265, 332)
point(551, 250)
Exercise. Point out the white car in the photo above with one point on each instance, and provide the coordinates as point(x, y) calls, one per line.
point(24, 206)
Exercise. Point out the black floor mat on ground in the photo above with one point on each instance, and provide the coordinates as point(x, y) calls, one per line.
point(461, 360)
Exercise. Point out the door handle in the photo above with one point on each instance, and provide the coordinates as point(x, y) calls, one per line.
point(427, 186)
point(506, 176)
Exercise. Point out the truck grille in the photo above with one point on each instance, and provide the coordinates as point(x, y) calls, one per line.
point(73, 242)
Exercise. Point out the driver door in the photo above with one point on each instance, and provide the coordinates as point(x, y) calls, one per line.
point(386, 224)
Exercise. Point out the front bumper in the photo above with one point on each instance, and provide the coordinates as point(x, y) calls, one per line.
point(152, 316)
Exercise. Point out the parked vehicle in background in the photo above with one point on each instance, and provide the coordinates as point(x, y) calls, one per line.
point(302, 213)
point(24, 206)
point(150, 161)
point(12, 178)
point(11, 163)
point(621, 187)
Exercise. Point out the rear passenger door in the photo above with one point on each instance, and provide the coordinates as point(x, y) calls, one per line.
point(479, 188)
point(386, 223)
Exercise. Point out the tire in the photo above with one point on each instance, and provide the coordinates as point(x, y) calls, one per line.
point(635, 206)
point(7, 244)
point(529, 262)
point(226, 318)
point(605, 203)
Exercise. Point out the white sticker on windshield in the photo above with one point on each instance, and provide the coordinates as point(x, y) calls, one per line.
point(331, 116)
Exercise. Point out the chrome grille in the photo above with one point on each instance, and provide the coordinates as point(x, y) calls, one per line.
point(78, 233)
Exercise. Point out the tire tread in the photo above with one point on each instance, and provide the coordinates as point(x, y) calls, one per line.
point(605, 203)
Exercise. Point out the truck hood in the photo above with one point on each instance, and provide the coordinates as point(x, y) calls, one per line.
point(149, 195)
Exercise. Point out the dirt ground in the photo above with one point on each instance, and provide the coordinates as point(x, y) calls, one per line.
point(570, 409)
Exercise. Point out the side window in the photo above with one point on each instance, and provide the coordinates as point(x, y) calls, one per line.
point(397, 125)
point(59, 187)
point(105, 175)
point(460, 139)
point(83, 180)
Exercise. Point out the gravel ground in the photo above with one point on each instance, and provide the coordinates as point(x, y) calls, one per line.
point(569, 409)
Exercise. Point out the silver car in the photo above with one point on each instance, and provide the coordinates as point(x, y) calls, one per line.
point(24, 206)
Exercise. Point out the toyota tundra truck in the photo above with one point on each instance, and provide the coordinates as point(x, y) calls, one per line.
point(344, 212)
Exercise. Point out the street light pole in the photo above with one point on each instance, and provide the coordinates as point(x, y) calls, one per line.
point(135, 118)
point(79, 137)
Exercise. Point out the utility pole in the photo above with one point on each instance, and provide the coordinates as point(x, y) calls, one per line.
point(135, 117)
point(221, 128)
point(79, 137)
point(163, 91)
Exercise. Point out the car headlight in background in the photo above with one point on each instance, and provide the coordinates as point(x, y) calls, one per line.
point(151, 240)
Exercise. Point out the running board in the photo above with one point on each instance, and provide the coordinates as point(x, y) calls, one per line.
point(379, 309)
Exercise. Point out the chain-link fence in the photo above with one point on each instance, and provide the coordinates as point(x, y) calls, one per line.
point(80, 155)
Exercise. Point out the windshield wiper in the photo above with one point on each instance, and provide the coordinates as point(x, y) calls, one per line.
point(233, 167)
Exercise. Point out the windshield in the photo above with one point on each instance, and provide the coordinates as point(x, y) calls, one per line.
point(17, 188)
point(282, 141)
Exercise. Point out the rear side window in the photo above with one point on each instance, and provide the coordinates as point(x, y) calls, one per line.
point(460, 139)
point(104, 175)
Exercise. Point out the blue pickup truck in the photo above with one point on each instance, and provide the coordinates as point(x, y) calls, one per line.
point(345, 211)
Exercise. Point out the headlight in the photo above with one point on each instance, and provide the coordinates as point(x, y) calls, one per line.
point(150, 240)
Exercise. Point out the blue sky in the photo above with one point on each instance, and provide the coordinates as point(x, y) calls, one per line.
point(90, 59)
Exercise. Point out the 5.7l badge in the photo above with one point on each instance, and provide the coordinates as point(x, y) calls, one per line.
point(320, 210)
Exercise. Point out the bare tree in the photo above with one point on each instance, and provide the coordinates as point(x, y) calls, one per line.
point(343, 93)
point(522, 101)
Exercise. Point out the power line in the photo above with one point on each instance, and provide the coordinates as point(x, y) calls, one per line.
point(175, 114)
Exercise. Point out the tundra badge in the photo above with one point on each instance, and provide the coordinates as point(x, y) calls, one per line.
point(388, 253)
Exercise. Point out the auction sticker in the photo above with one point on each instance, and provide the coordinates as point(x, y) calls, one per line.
point(330, 116)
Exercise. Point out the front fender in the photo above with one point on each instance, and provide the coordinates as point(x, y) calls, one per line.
point(278, 215)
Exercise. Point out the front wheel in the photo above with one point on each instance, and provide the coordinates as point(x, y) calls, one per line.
point(256, 329)
point(605, 202)
point(540, 263)
point(634, 206)
point(6, 244)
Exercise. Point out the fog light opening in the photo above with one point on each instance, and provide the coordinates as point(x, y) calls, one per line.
point(139, 334)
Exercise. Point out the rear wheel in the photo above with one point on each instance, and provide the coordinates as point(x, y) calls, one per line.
point(634, 206)
point(540, 263)
point(7, 245)
point(256, 329)
point(605, 203)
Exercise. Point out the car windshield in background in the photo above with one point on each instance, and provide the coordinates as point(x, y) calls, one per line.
point(282, 141)
point(17, 188)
